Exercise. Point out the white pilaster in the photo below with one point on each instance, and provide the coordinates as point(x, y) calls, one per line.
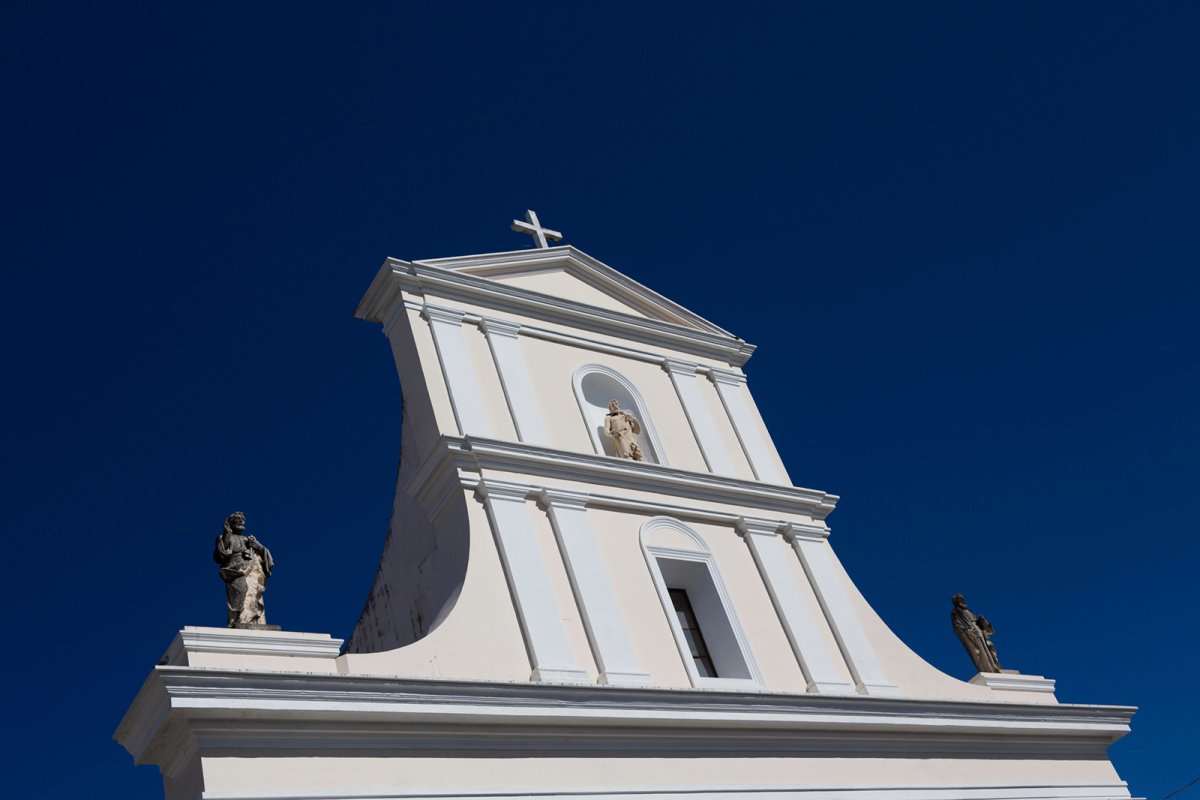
point(683, 375)
point(541, 623)
point(731, 386)
point(804, 631)
point(514, 377)
point(817, 558)
point(466, 396)
point(606, 629)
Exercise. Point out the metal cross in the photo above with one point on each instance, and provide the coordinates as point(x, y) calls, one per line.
point(531, 227)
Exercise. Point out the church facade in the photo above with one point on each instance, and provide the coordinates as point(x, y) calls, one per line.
point(599, 581)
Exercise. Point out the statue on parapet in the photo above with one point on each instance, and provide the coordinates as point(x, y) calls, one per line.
point(622, 428)
point(975, 632)
point(245, 566)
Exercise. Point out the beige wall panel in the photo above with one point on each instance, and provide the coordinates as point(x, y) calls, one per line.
point(567, 287)
point(617, 537)
point(650, 772)
point(724, 427)
point(480, 638)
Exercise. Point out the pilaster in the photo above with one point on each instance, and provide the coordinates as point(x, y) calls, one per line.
point(817, 557)
point(731, 386)
point(466, 396)
point(804, 631)
point(683, 376)
point(537, 611)
point(607, 631)
point(514, 378)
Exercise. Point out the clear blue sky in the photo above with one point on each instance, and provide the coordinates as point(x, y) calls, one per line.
point(969, 229)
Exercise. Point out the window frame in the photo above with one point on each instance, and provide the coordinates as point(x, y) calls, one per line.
point(724, 637)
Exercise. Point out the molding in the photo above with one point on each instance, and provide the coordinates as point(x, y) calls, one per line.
point(1057, 791)
point(433, 279)
point(646, 420)
point(1014, 682)
point(477, 453)
point(269, 712)
point(193, 639)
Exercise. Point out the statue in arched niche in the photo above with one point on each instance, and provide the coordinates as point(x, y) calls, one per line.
point(622, 427)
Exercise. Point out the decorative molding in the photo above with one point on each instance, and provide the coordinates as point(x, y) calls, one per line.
point(703, 557)
point(251, 642)
point(244, 709)
point(646, 420)
point(433, 279)
point(805, 633)
point(607, 632)
point(1014, 682)
point(683, 377)
point(534, 601)
point(1057, 791)
point(476, 453)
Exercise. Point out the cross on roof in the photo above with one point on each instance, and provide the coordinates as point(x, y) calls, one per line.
point(531, 227)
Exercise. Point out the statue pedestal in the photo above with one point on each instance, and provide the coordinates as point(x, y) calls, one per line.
point(1013, 681)
point(258, 648)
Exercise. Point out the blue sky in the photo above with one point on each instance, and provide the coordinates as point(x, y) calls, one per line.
point(963, 237)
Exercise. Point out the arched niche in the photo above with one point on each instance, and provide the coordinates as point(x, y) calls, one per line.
point(595, 386)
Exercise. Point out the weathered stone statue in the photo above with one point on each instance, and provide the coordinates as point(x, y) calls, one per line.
point(976, 635)
point(621, 427)
point(245, 567)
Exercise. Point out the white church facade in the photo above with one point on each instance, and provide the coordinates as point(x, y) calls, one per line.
point(554, 619)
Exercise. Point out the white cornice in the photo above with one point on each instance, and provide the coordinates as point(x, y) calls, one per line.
point(427, 279)
point(278, 711)
point(475, 454)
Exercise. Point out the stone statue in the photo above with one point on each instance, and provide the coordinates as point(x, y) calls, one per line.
point(976, 635)
point(245, 567)
point(621, 427)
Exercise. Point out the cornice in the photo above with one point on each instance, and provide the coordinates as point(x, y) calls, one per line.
point(431, 279)
point(476, 454)
point(286, 711)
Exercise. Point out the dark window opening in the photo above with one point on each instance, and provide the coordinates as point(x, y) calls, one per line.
point(692, 634)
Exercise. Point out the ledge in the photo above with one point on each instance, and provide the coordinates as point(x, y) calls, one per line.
point(182, 708)
point(476, 453)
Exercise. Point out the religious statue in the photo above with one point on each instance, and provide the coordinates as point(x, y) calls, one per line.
point(245, 567)
point(975, 632)
point(621, 427)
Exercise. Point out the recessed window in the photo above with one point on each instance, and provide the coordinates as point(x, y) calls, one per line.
point(686, 616)
point(701, 618)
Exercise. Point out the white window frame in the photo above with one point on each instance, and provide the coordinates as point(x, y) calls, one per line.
point(723, 633)
point(651, 433)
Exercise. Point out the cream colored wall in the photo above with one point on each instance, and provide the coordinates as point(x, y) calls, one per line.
point(510, 775)
point(425, 372)
point(479, 639)
point(559, 284)
point(552, 379)
point(489, 383)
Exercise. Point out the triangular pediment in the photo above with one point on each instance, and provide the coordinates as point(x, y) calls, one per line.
point(570, 274)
